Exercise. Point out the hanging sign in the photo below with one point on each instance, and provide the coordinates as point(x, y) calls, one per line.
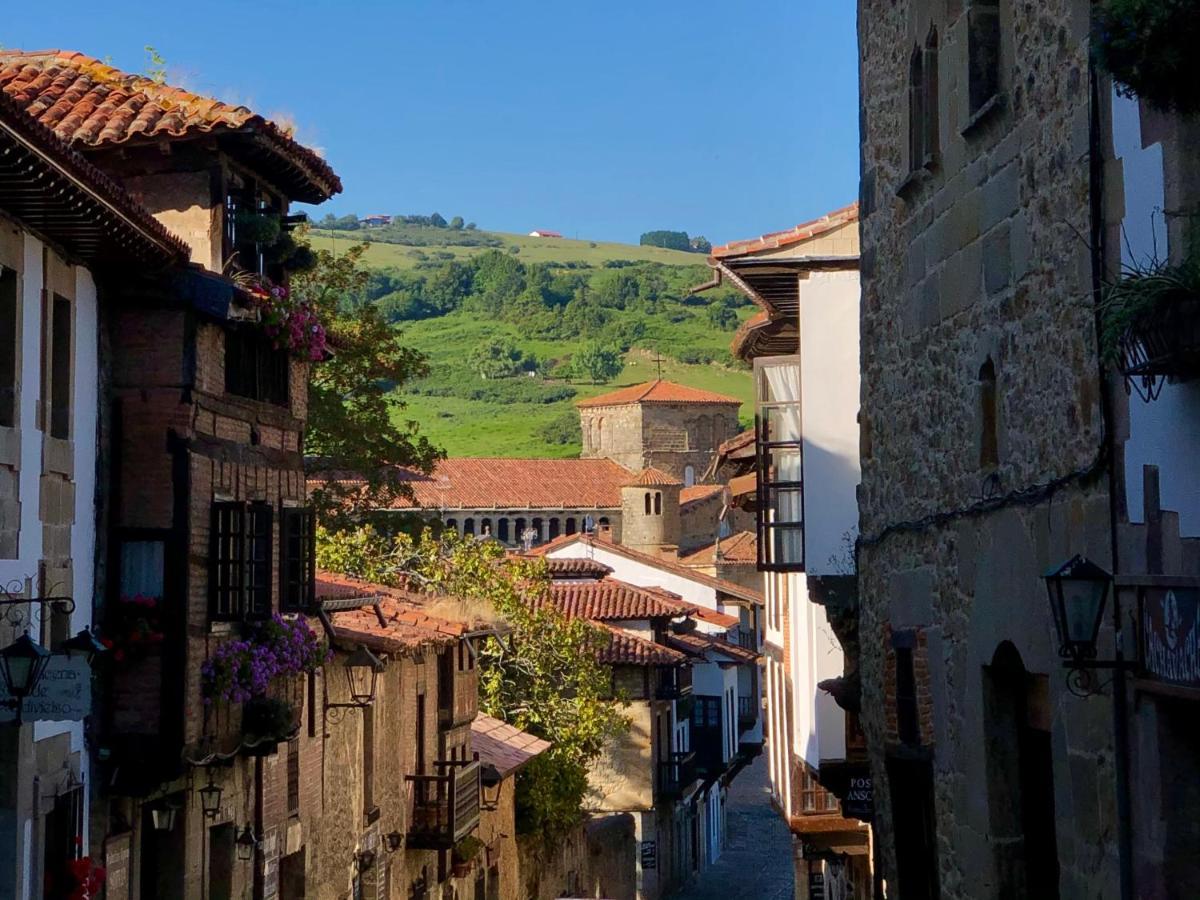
point(116, 866)
point(1171, 634)
point(860, 798)
point(63, 695)
point(649, 854)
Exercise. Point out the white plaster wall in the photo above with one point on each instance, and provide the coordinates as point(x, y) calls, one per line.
point(1165, 432)
point(829, 366)
point(819, 725)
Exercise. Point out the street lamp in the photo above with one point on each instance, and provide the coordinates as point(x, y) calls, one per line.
point(22, 664)
point(362, 675)
point(1078, 590)
point(246, 844)
point(86, 643)
point(163, 816)
point(210, 798)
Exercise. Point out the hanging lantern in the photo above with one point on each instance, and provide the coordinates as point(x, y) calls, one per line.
point(362, 674)
point(1078, 591)
point(163, 816)
point(246, 844)
point(22, 664)
point(86, 643)
point(210, 798)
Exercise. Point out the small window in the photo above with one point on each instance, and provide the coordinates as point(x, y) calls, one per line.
point(255, 368)
point(293, 777)
point(907, 722)
point(240, 565)
point(9, 337)
point(297, 565)
point(468, 526)
point(658, 503)
point(647, 502)
point(916, 109)
point(689, 476)
point(572, 526)
point(779, 464)
point(555, 528)
point(60, 369)
point(502, 530)
point(929, 107)
point(983, 50)
point(989, 439)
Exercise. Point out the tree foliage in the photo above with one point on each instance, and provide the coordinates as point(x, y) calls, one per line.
point(499, 358)
point(542, 677)
point(597, 362)
point(672, 240)
point(353, 421)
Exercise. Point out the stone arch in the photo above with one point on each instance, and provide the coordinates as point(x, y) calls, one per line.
point(485, 527)
point(452, 525)
point(502, 529)
point(571, 525)
point(555, 526)
point(647, 499)
point(468, 526)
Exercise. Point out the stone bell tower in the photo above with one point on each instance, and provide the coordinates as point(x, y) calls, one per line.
point(650, 512)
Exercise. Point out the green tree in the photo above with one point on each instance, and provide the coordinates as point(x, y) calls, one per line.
point(457, 223)
point(597, 362)
point(471, 226)
point(354, 416)
point(448, 286)
point(437, 221)
point(701, 244)
point(672, 240)
point(497, 358)
point(543, 677)
point(722, 316)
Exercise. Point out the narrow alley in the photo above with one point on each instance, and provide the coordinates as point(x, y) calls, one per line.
point(755, 864)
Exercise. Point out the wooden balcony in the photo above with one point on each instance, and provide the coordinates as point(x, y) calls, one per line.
point(747, 714)
point(674, 683)
point(675, 773)
point(445, 806)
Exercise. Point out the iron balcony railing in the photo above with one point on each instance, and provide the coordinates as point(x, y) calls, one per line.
point(747, 639)
point(675, 773)
point(445, 807)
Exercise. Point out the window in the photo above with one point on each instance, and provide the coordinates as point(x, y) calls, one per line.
point(502, 530)
point(647, 501)
point(8, 347)
point(930, 105)
point(240, 572)
point(555, 528)
point(255, 368)
point(293, 776)
point(779, 464)
point(60, 369)
point(983, 50)
point(297, 564)
point(572, 527)
point(908, 725)
point(989, 442)
point(813, 797)
point(923, 137)
point(706, 712)
point(468, 526)
point(689, 476)
point(658, 503)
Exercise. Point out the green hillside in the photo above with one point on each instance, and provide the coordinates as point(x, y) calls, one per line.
point(536, 250)
point(530, 319)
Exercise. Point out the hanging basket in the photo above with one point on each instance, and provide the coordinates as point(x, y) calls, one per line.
point(1161, 345)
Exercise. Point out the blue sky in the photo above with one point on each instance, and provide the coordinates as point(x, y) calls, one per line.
point(600, 120)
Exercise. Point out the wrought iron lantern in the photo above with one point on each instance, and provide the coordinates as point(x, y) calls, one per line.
point(246, 843)
point(163, 816)
point(394, 840)
point(22, 664)
point(86, 643)
point(362, 675)
point(1078, 592)
point(210, 798)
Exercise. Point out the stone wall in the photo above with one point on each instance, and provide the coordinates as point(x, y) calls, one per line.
point(613, 432)
point(982, 255)
point(597, 859)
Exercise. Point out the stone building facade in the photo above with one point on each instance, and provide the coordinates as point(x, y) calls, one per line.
point(983, 454)
point(661, 424)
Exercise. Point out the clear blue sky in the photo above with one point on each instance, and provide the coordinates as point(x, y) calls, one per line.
point(604, 120)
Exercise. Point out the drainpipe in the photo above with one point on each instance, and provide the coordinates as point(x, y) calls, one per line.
point(1120, 700)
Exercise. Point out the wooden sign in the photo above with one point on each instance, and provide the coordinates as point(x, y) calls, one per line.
point(1171, 635)
point(816, 885)
point(63, 695)
point(117, 855)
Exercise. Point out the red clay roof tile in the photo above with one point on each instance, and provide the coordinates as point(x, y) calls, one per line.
point(652, 477)
point(612, 600)
point(625, 649)
point(502, 746)
point(787, 237)
point(741, 547)
point(90, 103)
point(657, 392)
point(698, 493)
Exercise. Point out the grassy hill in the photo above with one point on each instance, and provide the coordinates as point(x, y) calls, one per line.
point(532, 250)
point(636, 298)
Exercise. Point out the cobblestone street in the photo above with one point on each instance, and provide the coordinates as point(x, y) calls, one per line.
point(757, 862)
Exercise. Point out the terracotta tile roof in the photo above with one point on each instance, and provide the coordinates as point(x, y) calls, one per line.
point(612, 600)
point(698, 493)
point(777, 239)
point(67, 179)
point(625, 649)
point(480, 483)
point(658, 391)
point(502, 746)
point(92, 104)
point(652, 477)
point(740, 548)
point(700, 645)
point(667, 565)
point(720, 619)
point(740, 441)
point(577, 568)
point(408, 626)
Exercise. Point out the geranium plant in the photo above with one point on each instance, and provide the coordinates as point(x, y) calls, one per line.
point(136, 626)
point(241, 670)
point(292, 324)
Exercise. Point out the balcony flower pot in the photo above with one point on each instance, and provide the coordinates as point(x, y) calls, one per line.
point(265, 722)
point(462, 857)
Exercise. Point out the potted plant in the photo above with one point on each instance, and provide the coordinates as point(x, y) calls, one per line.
point(463, 855)
point(1148, 46)
point(1150, 323)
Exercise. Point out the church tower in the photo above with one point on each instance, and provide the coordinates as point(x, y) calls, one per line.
point(650, 512)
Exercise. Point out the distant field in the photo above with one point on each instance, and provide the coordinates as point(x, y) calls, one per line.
point(539, 250)
point(475, 428)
